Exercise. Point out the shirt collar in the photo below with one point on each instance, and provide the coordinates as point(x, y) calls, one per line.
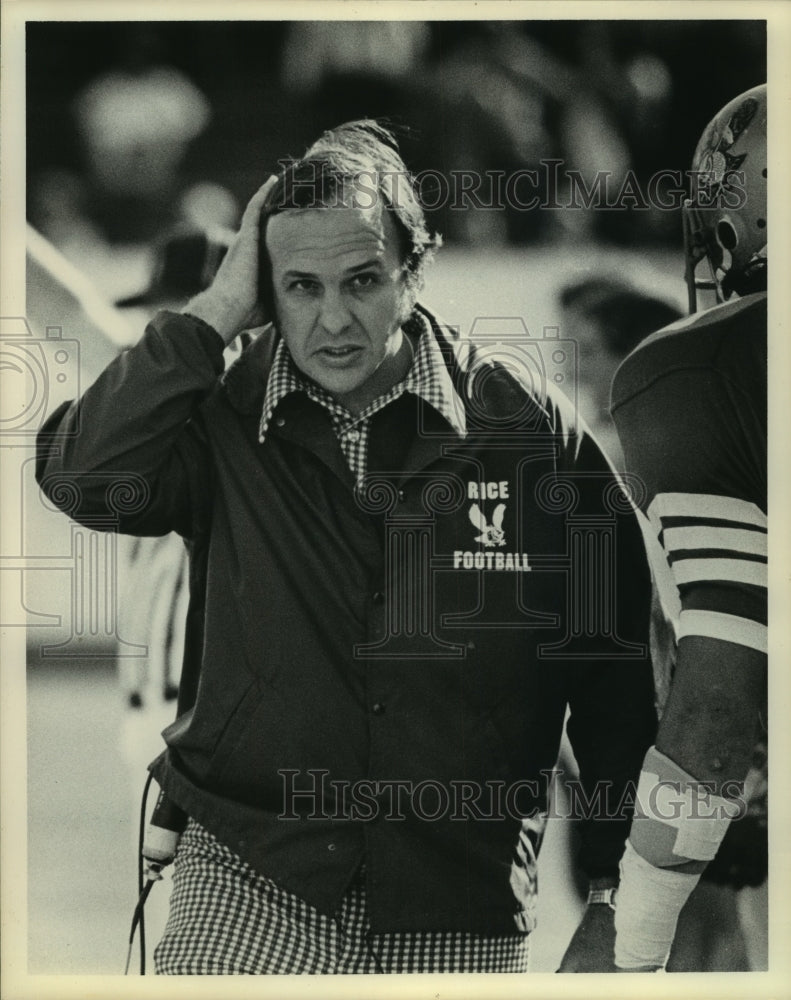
point(428, 378)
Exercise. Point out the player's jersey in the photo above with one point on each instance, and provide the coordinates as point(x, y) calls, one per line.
point(690, 408)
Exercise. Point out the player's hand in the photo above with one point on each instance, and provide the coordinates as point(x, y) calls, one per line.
point(231, 303)
point(592, 949)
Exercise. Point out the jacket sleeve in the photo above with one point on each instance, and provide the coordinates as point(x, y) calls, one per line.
point(612, 715)
point(130, 454)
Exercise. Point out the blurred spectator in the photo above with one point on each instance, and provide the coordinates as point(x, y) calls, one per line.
point(136, 122)
point(185, 260)
point(316, 52)
point(57, 201)
point(336, 71)
point(495, 93)
point(515, 101)
point(57, 210)
point(208, 205)
point(617, 120)
point(608, 317)
point(499, 95)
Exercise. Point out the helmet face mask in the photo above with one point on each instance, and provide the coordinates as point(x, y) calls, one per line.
point(725, 217)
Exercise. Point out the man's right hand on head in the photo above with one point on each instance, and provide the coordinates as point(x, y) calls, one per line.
point(231, 303)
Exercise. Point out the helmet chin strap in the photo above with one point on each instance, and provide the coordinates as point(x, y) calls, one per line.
point(694, 254)
point(720, 273)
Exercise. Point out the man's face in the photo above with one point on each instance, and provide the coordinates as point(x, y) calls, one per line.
point(340, 298)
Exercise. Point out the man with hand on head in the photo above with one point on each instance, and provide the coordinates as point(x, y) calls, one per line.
point(390, 601)
point(689, 405)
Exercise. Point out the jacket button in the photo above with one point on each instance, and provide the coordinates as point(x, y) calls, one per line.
point(378, 708)
point(330, 847)
point(378, 597)
point(280, 422)
point(401, 496)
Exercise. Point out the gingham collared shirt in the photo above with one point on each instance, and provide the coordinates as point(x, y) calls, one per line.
point(427, 378)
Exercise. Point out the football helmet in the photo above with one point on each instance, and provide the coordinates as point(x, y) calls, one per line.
point(725, 216)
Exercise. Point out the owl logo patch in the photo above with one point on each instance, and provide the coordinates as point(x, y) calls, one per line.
point(491, 535)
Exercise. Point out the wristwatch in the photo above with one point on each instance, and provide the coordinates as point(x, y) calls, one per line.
point(605, 896)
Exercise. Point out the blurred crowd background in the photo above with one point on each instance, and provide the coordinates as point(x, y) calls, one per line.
point(136, 130)
point(131, 126)
point(139, 130)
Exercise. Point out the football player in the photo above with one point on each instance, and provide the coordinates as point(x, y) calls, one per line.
point(689, 405)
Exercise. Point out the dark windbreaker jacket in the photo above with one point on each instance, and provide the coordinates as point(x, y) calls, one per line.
point(378, 673)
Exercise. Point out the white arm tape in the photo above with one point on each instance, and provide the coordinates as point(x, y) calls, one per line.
point(677, 800)
point(648, 903)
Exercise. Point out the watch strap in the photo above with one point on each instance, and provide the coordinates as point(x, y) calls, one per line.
point(604, 897)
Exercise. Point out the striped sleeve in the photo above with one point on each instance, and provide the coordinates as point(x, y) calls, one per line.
point(716, 549)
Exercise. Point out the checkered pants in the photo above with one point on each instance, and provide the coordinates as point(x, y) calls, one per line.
point(227, 920)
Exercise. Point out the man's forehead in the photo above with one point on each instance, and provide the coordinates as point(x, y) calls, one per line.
point(329, 233)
